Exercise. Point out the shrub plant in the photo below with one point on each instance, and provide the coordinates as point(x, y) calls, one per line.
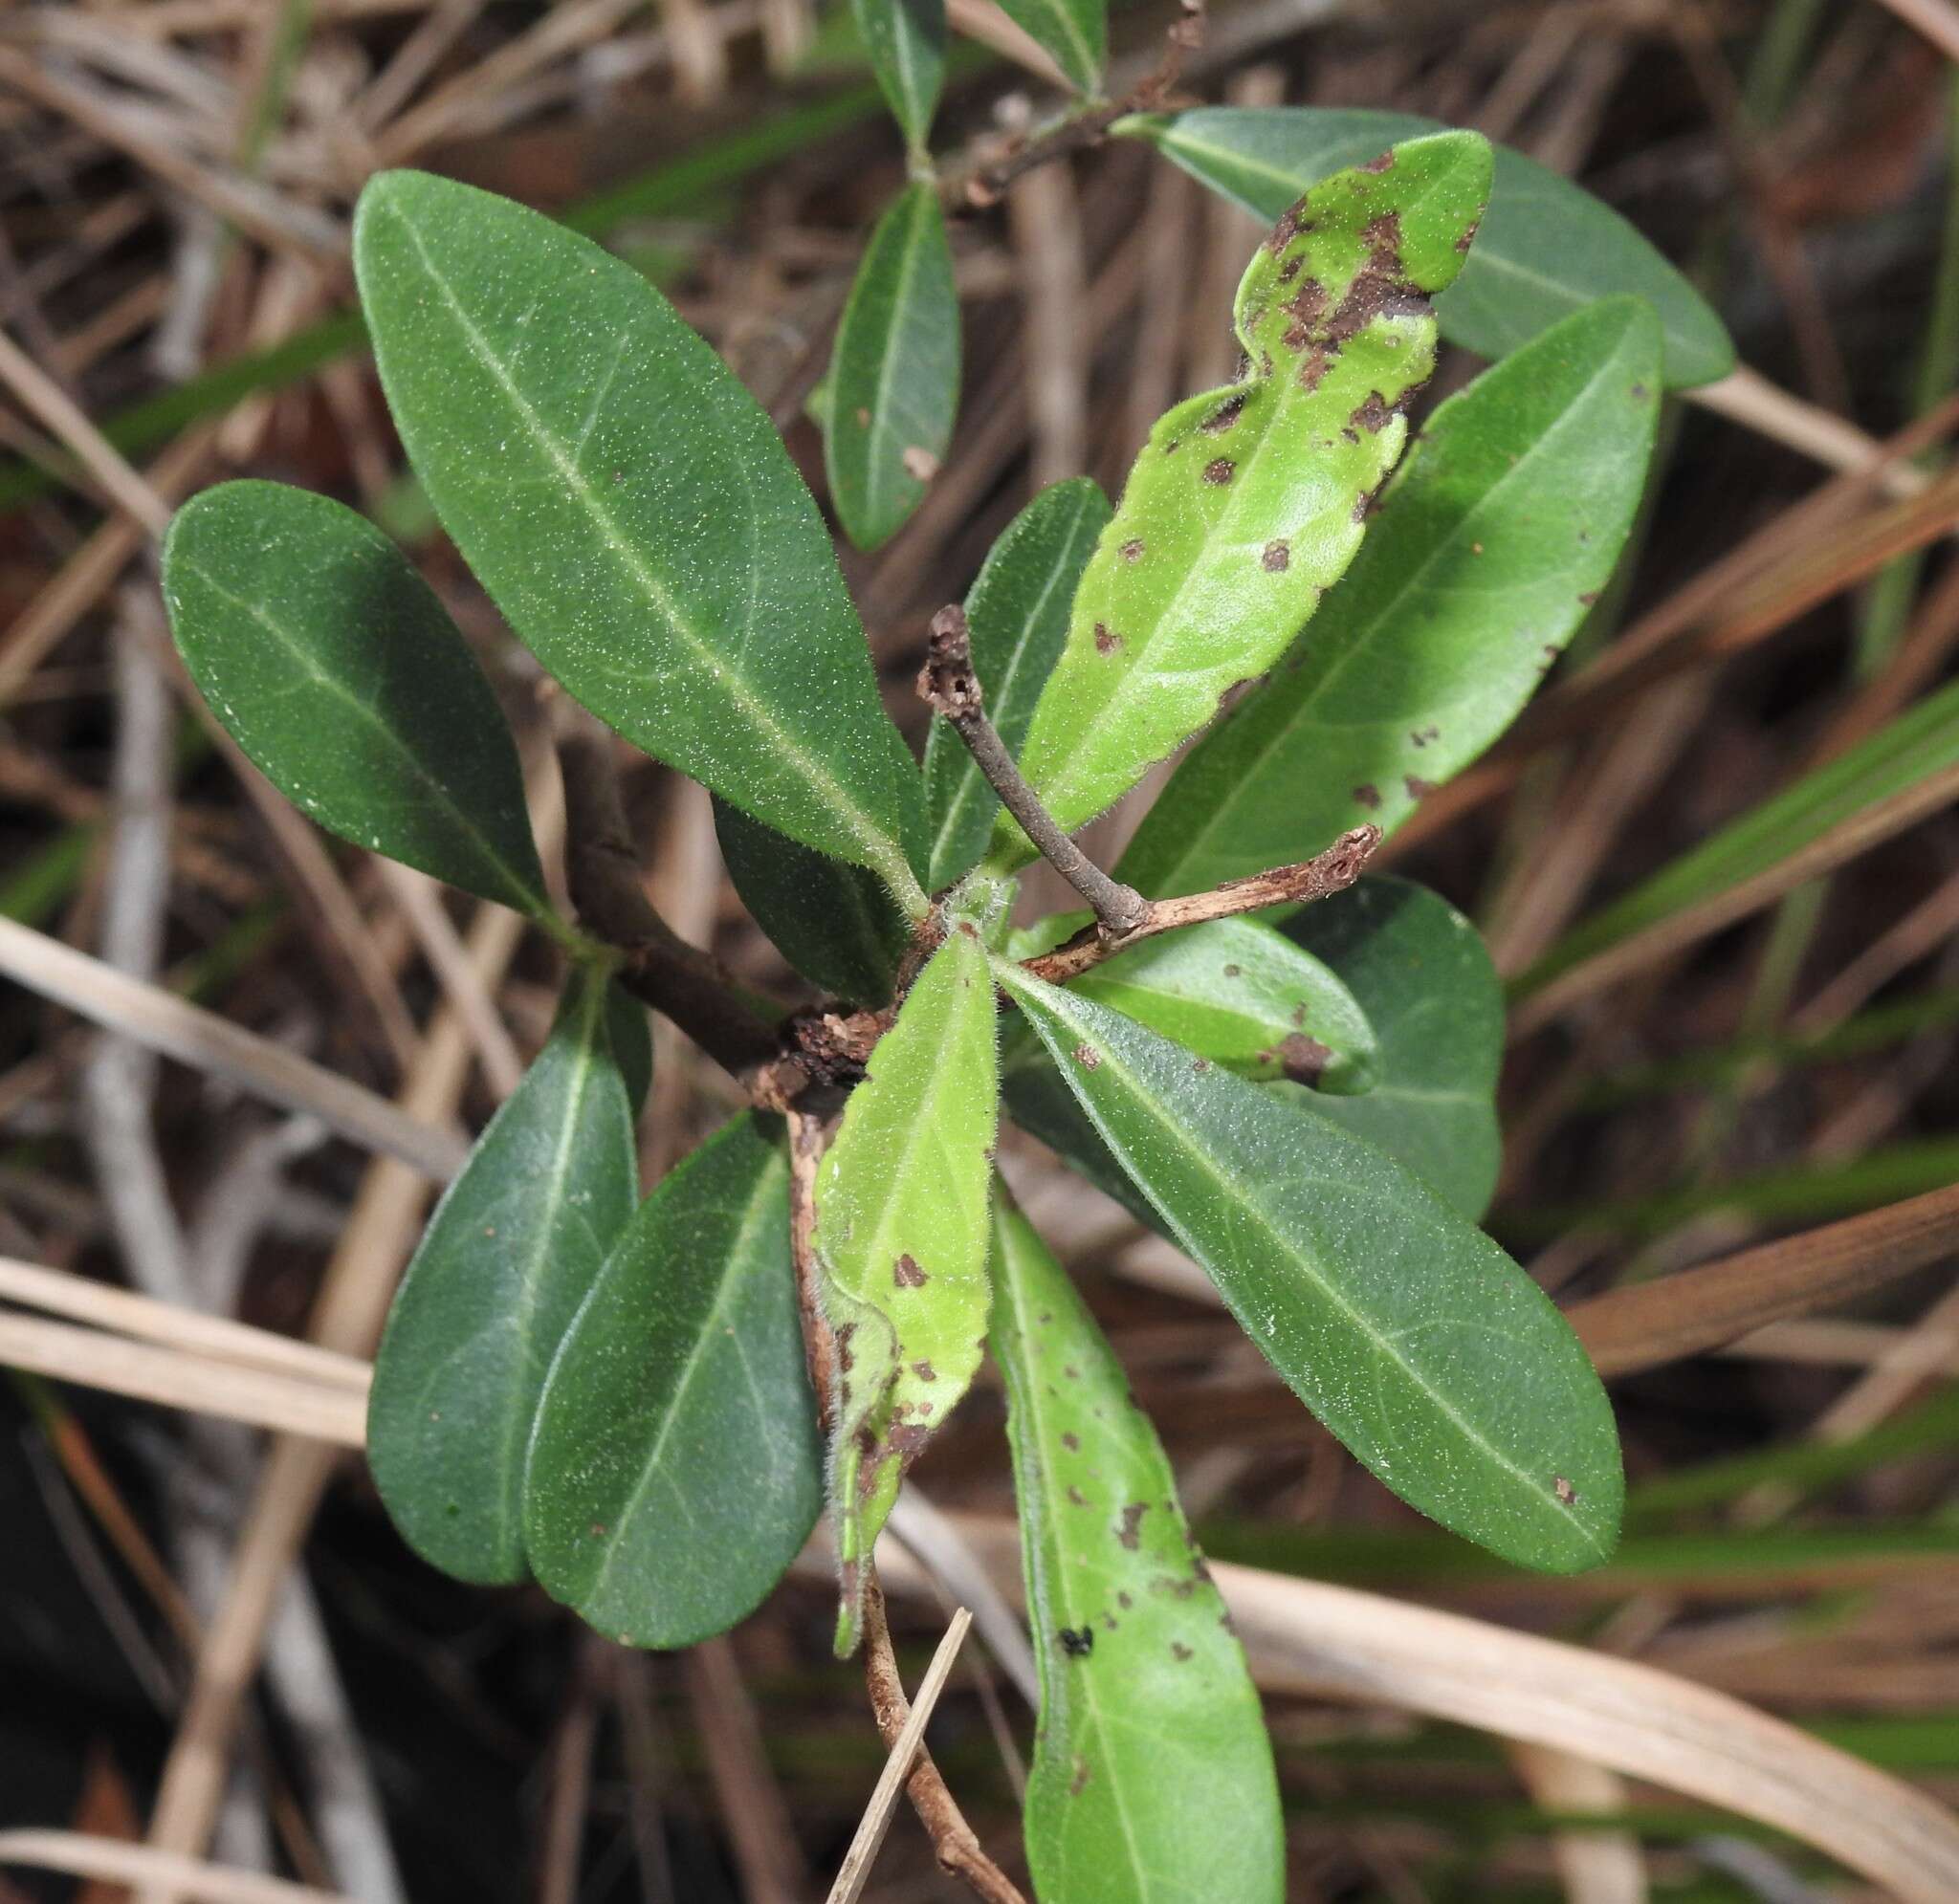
point(645, 1404)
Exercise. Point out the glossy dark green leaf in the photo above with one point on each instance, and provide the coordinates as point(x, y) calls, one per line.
point(1153, 1779)
point(1424, 977)
point(1546, 248)
point(901, 1244)
point(1018, 616)
point(632, 511)
point(333, 665)
point(676, 1470)
point(835, 923)
point(1237, 992)
point(1411, 1335)
point(1247, 503)
point(1488, 548)
point(1075, 32)
point(894, 379)
point(513, 1249)
point(632, 1044)
point(906, 40)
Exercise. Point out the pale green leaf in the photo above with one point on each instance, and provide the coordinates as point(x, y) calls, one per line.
point(893, 385)
point(632, 511)
point(1247, 503)
point(331, 663)
point(1411, 1335)
point(1546, 249)
point(676, 1470)
point(512, 1250)
point(1153, 1779)
point(901, 1243)
point(1017, 615)
point(1487, 550)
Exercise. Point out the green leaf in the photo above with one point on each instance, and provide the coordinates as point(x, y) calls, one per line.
point(1490, 545)
point(632, 511)
point(893, 386)
point(632, 1045)
point(833, 922)
point(513, 1249)
point(1913, 748)
point(901, 1244)
point(1075, 32)
point(1242, 995)
point(333, 665)
point(1247, 503)
point(1153, 1779)
point(1424, 979)
point(1547, 247)
point(1411, 1335)
point(1017, 615)
point(906, 41)
point(676, 1470)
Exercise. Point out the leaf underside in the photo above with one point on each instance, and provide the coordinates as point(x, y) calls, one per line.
point(1247, 503)
point(901, 1201)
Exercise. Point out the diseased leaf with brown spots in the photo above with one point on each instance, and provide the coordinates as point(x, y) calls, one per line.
point(1153, 1778)
point(901, 1243)
point(1249, 502)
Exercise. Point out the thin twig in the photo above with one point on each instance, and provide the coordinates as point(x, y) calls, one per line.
point(949, 685)
point(1320, 877)
point(903, 1730)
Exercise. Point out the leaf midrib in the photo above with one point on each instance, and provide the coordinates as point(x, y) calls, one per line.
point(885, 853)
point(1011, 977)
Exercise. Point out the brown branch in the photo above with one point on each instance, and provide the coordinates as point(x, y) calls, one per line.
point(948, 683)
point(1319, 878)
point(819, 1344)
point(986, 184)
point(953, 1841)
point(601, 869)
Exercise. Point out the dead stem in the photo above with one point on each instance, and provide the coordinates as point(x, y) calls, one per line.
point(1327, 873)
point(948, 685)
point(953, 1841)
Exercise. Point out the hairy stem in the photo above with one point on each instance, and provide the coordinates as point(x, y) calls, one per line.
point(948, 683)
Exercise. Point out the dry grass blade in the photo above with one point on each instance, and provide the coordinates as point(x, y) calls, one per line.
point(164, 1023)
point(856, 1871)
point(1676, 1315)
point(1596, 1867)
point(146, 1320)
point(182, 1379)
point(55, 409)
point(1748, 398)
point(110, 1861)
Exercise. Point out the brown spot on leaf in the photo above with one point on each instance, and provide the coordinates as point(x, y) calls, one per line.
point(1132, 1521)
point(863, 418)
point(1277, 557)
point(1076, 1497)
point(1565, 1491)
point(1233, 971)
point(1373, 415)
point(1303, 1058)
point(1133, 549)
point(1223, 416)
point(1123, 1600)
point(1588, 596)
point(1421, 737)
point(1088, 1056)
point(1105, 643)
point(1079, 1784)
point(924, 1370)
point(1220, 470)
point(1314, 368)
point(1071, 1441)
point(1384, 163)
point(1077, 1645)
point(1417, 789)
point(905, 1273)
point(1366, 795)
point(920, 463)
point(1178, 1651)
